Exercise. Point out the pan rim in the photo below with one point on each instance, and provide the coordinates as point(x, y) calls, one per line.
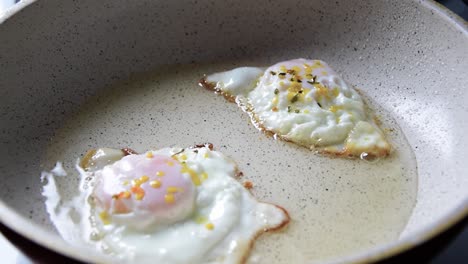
point(34, 232)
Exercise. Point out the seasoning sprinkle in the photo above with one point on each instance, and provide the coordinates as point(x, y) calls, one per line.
point(314, 80)
point(155, 184)
point(209, 226)
point(144, 178)
point(204, 176)
point(139, 196)
point(248, 185)
point(272, 73)
point(136, 182)
point(297, 111)
point(139, 192)
point(173, 189)
point(276, 91)
point(289, 108)
point(282, 73)
point(105, 218)
point(169, 198)
point(295, 98)
point(124, 194)
point(275, 100)
point(160, 173)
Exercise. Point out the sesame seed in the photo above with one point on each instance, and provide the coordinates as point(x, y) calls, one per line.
point(169, 198)
point(204, 176)
point(144, 178)
point(104, 218)
point(173, 189)
point(155, 184)
point(136, 182)
point(139, 196)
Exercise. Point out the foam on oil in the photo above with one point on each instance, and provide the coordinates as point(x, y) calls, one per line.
point(337, 206)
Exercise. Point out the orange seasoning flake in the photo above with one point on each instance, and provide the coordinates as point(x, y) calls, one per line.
point(122, 195)
point(248, 185)
point(139, 192)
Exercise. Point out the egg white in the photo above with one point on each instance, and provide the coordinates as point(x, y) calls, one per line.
point(237, 217)
point(306, 102)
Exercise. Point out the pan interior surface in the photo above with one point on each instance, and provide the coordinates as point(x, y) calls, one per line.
point(337, 205)
point(67, 86)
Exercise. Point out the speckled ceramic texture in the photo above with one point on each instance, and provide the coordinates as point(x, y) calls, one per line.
point(410, 57)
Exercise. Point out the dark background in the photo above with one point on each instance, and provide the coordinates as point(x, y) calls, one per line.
point(460, 7)
point(452, 247)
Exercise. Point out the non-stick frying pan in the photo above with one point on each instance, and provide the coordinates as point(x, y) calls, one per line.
point(410, 58)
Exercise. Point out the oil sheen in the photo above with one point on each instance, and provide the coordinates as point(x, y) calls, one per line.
point(337, 206)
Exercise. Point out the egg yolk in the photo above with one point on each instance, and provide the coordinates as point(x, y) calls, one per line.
point(145, 185)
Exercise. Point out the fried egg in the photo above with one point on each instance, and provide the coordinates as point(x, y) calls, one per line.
point(305, 102)
point(171, 205)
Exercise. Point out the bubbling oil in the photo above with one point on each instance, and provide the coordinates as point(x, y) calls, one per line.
point(337, 206)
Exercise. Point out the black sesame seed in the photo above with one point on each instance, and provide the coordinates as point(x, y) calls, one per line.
point(294, 99)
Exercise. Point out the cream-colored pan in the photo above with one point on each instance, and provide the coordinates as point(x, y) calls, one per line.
point(77, 75)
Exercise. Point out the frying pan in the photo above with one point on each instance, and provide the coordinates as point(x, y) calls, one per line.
point(409, 57)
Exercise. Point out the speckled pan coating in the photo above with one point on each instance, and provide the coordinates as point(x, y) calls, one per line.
point(410, 55)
